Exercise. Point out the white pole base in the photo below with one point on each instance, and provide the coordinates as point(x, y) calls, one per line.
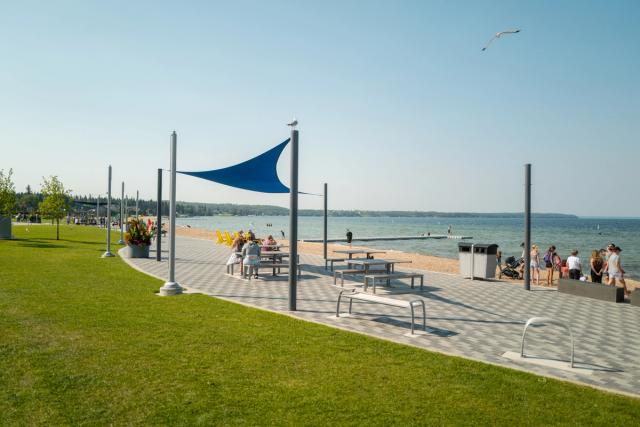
point(121, 242)
point(169, 289)
point(107, 255)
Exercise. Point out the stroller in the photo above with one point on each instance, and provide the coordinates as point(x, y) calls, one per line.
point(511, 268)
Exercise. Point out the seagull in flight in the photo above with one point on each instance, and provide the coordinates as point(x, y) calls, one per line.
point(293, 124)
point(498, 35)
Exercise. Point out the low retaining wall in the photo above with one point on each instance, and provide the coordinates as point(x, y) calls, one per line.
point(591, 290)
point(635, 297)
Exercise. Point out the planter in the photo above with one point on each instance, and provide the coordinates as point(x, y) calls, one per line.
point(137, 251)
point(5, 227)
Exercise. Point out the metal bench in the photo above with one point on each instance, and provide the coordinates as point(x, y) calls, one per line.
point(373, 277)
point(277, 266)
point(328, 261)
point(341, 273)
point(385, 301)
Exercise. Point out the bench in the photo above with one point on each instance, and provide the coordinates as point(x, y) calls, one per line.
point(385, 301)
point(277, 266)
point(591, 290)
point(328, 261)
point(341, 273)
point(373, 277)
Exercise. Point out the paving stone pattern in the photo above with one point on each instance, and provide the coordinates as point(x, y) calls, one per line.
point(473, 319)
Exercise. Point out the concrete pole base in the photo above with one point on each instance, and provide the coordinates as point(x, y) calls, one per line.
point(121, 242)
point(169, 289)
point(107, 255)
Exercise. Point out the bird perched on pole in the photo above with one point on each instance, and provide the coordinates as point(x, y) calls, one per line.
point(293, 123)
point(498, 35)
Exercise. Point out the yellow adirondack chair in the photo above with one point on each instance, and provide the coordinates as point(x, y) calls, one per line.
point(219, 238)
point(228, 240)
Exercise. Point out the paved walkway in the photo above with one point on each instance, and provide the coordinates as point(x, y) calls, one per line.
point(480, 320)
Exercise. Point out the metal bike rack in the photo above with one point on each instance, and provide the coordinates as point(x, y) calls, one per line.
point(541, 321)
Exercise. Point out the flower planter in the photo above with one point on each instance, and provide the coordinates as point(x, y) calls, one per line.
point(137, 251)
point(5, 228)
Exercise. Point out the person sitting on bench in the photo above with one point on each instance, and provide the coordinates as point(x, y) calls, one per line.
point(251, 257)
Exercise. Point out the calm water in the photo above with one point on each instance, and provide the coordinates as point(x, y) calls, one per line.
point(566, 234)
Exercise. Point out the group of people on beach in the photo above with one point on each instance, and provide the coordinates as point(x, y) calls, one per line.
point(603, 264)
point(246, 251)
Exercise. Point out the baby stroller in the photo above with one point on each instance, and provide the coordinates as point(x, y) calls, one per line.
point(511, 268)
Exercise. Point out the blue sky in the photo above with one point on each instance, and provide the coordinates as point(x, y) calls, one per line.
point(398, 107)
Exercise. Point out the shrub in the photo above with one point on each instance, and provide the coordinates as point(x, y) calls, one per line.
point(137, 233)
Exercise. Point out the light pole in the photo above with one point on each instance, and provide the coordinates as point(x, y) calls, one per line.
point(172, 287)
point(293, 223)
point(527, 226)
point(108, 253)
point(121, 241)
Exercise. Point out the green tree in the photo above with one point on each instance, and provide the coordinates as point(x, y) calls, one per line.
point(56, 201)
point(7, 194)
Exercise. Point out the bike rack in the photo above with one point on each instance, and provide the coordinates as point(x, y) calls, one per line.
point(542, 321)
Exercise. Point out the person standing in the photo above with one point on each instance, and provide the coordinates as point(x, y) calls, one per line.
point(616, 272)
point(548, 263)
point(574, 265)
point(596, 264)
point(535, 263)
point(349, 237)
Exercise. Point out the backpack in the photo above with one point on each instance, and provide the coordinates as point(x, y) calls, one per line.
point(547, 258)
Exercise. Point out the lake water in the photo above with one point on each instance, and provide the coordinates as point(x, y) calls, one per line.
point(566, 234)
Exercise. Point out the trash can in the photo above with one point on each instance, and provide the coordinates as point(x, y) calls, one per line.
point(465, 256)
point(478, 260)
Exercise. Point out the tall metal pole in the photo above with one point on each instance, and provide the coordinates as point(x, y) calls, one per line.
point(324, 236)
point(172, 287)
point(121, 241)
point(527, 226)
point(293, 223)
point(108, 252)
point(159, 219)
point(137, 196)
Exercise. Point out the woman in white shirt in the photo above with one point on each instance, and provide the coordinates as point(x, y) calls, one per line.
point(574, 265)
point(615, 270)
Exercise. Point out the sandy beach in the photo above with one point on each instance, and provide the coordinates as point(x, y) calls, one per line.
point(418, 261)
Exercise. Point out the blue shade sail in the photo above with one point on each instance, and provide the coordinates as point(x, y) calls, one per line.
point(257, 174)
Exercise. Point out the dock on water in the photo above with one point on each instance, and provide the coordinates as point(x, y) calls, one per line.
point(387, 238)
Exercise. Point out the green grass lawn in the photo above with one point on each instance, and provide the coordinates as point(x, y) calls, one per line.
point(85, 340)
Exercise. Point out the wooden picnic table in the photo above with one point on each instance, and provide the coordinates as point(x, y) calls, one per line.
point(351, 252)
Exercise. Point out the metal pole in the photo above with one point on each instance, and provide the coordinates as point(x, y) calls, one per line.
point(293, 223)
point(324, 238)
point(108, 252)
point(159, 220)
point(172, 287)
point(527, 226)
point(121, 241)
point(137, 196)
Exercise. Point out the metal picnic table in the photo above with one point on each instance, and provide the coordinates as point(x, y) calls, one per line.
point(368, 262)
point(351, 252)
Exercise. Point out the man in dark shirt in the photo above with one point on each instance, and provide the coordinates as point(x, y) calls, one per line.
point(349, 237)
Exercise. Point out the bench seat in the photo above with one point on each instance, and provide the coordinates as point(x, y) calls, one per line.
point(391, 276)
point(341, 273)
point(277, 266)
point(328, 261)
point(376, 299)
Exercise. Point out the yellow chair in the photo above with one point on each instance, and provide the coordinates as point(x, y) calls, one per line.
point(228, 239)
point(219, 238)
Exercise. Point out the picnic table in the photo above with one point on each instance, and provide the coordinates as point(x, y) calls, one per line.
point(366, 263)
point(351, 252)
